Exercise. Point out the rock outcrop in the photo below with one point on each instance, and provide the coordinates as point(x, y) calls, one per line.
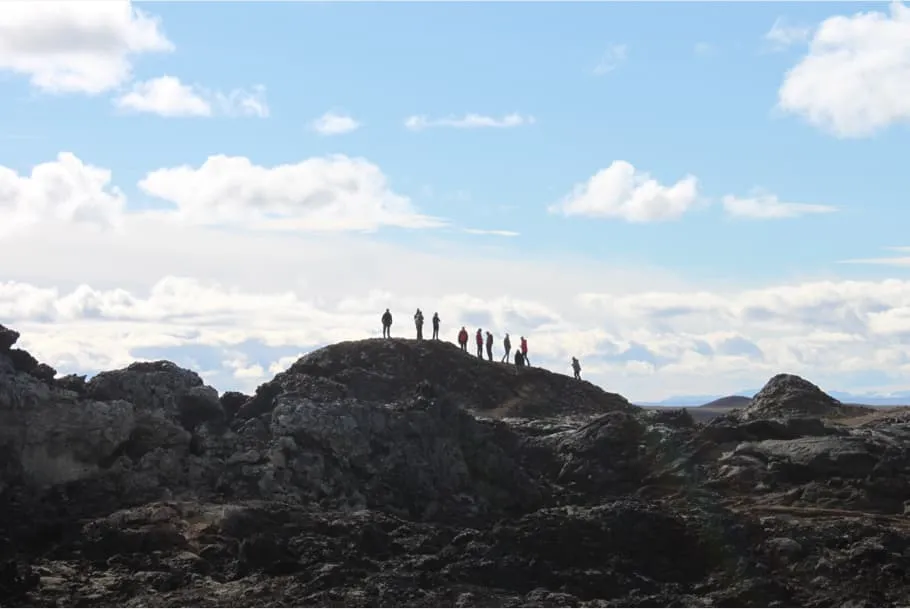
point(404, 473)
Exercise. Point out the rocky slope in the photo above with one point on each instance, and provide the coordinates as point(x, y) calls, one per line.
point(397, 473)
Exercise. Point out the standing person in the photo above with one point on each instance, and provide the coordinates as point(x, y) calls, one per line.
point(524, 350)
point(507, 345)
point(576, 367)
point(418, 321)
point(519, 360)
point(489, 346)
point(463, 339)
point(436, 326)
point(479, 339)
point(387, 324)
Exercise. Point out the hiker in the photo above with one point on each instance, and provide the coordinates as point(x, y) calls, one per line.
point(519, 360)
point(479, 339)
point(576, 367)
point(387, 324)
point(435, 326)
point(524, 350)
point(463, 339)
point(418, 321)
point(507, 345)
point(489, 346)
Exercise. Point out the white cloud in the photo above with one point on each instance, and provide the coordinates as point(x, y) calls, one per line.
point(240, 304)
point(769, 207)
point(332, 123)
point(65, 189)
point(468, 121)
point(612, 58)
point(167, 96)
point(886, 260)
point(83, 46)
point(855, 80)
point(621, 191)
point(782, 35)
point(644, 344)
point(328, 193)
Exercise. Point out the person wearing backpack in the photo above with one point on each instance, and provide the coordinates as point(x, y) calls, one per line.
point(576, 367)
point(479, 339)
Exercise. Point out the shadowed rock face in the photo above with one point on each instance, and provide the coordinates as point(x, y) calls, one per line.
point(398, 473)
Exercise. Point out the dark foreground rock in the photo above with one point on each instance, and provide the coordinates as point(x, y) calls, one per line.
point(397, 473)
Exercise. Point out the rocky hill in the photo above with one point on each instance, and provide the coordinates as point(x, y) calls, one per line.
point(397, 473)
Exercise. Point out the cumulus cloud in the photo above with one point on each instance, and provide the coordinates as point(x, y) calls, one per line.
point(623, 192)
point(241, 304)
point(855, 79)
point(76, 46)
point(769, 207)
point(646, 344)
point(167, 96)
point(65, 190)
point(469, 121)
point(326, 193)
point(332, 123)
point(612, 58)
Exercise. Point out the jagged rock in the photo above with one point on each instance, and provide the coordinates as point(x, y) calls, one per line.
point(787, 395)
point(8, 338)
point(23, 361)
point(388, 370)
point(398, 473)
point(198, 405)
point(159, 385)
point(73, 382)
point(44, 372)
point(231, 401)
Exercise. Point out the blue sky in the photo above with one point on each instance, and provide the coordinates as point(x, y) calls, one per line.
point(696, 91)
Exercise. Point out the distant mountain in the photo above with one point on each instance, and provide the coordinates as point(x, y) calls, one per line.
point(900, 398)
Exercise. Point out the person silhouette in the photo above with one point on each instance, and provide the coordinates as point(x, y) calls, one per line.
point(387, 324)
point(576, 368)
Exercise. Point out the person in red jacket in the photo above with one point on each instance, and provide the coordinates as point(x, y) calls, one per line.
point(524, 350)
point(479, 339)
point(463, 339)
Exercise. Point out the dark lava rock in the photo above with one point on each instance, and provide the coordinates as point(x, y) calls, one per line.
point(791, 395)
point(73, 382)
point(8, 338)
point(386, 370)
point(231, 401)
point(404, 474)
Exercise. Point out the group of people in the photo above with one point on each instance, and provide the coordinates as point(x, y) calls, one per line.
point(521, 354)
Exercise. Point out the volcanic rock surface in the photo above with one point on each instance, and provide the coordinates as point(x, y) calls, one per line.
point(405, 473)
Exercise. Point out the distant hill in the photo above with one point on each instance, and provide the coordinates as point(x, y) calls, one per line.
point(729, 402)
point(901, 398)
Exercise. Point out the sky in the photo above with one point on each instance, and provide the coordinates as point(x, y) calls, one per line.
point(689, 197)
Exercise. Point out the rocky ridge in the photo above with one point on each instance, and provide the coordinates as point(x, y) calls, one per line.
point(398, 473)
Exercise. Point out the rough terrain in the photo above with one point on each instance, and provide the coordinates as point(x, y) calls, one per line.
point(398, 473)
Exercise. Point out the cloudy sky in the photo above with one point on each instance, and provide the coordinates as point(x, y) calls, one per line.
point(688, 197)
